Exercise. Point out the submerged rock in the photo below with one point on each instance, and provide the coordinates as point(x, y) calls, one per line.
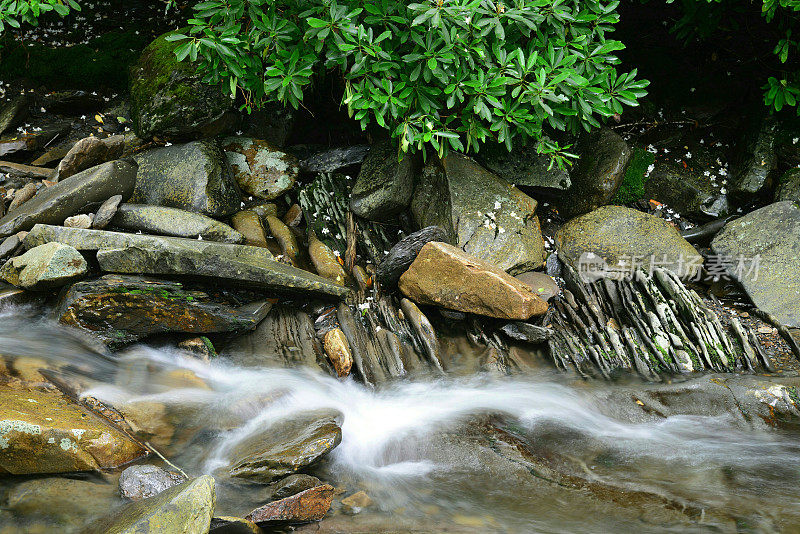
point(292, 485)
point(174, 222)
point(55, 203)
point(443, 275)
point(45, 267)
point(384, 186)
point(356, 502)
point(309, 505)
point(144, 481)
point(402, 255)
point(193, 177)
point(687, 190)
point(762, 251)
point(169, 98)
point(482, 214)
point(259, 168)
point(42, 431)
point(286, 446)
point(183, 509)
point(122, 309)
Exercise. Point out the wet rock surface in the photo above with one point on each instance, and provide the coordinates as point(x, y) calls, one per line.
point(48, 266)
point(175, 222)
point(144, 481)
point(402, 255)
point(525, 167)
point(309, 505)
point(384, 186)
point(89, 152)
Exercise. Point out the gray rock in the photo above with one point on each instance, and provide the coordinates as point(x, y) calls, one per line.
point(45, 267)
point(597, 175)
point(174, 222)
point(286, 446)
point(686, 190)
point(259, 168)
point(26, 171)
point(767, 241)
point(527, 332)
point(89, 152)
point(193, 177)
point(169, 98)
point(525, 167)
point(144, 481)
point(334, 159)
point(541, 283)
point(482, 214)
point(13, 112)
point(9, 245)
point(753, 174)
point(252, 267)
point(402, 255)
point(54, 204)
point(27, 143)
point(384, 186)
point(789, 186)
point(23, 195)
point(292, 485)
point(79, 221)
point(106, 212)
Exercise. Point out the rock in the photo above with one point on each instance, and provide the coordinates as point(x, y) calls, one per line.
point(13, 296)
point(26, 171)
point(443, 275)
point(106, 212)
point(527, 332)
point(309, 505)
point(293, 216)
point(402, 255)
point(754, 173)
point(193, 177)
point(183, 509)
point(789, 186)
point(325, 261)
point(292, 485)
point(233, 525)
point(174, 222)
point(122, 309)
point(89, 152)
point(169, 99)
point(55, 203)
point(384, 186)
point(604, 158)
point(72, 102)
point(767, 241)
point(55, 153)
point(541, 284)
point(239, 265)
point(334, 159)
point(144, 481)
point(248, 224)
point(356, 502)
point(259, 168)
point(524, 166)
point(45, 267)
point(13, 112)
point(26, 143)
point(424, 330)
point(481, 213)
point(285, 238)
point(286, 446)
point(338, 351)
point(618, 235)
point(273, 123)
point(200, 347)
point(79, 221)
point(9, 246)
point(687, 190)
point(265, 209)
point(22, 196)
point(42, 431)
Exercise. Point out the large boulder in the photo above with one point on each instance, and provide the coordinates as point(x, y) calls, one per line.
point(123, 309)
point(193, 177)
point(45, 267)
point(173, 222)
point(403, 253)
point(762, 251)
point(286, 446)
point(596, 177)
point(482, 214)
point(183, 509)
point(385, 185)
point(170, 100)
point(260, 169)
point(42, 431)
point(55, 203)
point(612, 239)
point(443, 275)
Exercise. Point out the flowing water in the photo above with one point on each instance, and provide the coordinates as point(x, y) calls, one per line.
point(539, 453)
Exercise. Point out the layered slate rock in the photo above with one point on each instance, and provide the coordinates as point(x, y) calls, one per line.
point(620, 237)
point(192, 176)
point(238, 265)
point(402, 255)
point(482, 214)
point(762, 251)
point(309, 505)
point(54, 204)
point(598, 173)
point(173, 222)
point(260, 169)
point(42, 431)
point(183, 509)
point(384, 185)
point(45, 267)
point(286, 446)
point(443, 275)
point(169, 98)
point(122, 309)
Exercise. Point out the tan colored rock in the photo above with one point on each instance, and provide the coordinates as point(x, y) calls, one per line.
point(22, 195)
point(325, 261)
point(79, 221)
point(356, 502)
point(88, 152)
point(248, 223)
point(338, 351)
point(293, 216)
point(309, 505)
point(286, 239)
point(541, 283)
point(444, 275)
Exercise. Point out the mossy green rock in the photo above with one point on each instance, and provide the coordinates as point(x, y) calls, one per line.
point(173, 222)
point(384, 186)
point(183, 509)
point(192, 176)
point(620, 235)
point(789, 186)
point(485, 216)
point(767, 241)
point(169, 99)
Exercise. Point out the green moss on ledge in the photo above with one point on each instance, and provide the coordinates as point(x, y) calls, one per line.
point(632, 187)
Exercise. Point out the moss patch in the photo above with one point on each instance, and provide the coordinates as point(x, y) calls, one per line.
point(632, 187)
